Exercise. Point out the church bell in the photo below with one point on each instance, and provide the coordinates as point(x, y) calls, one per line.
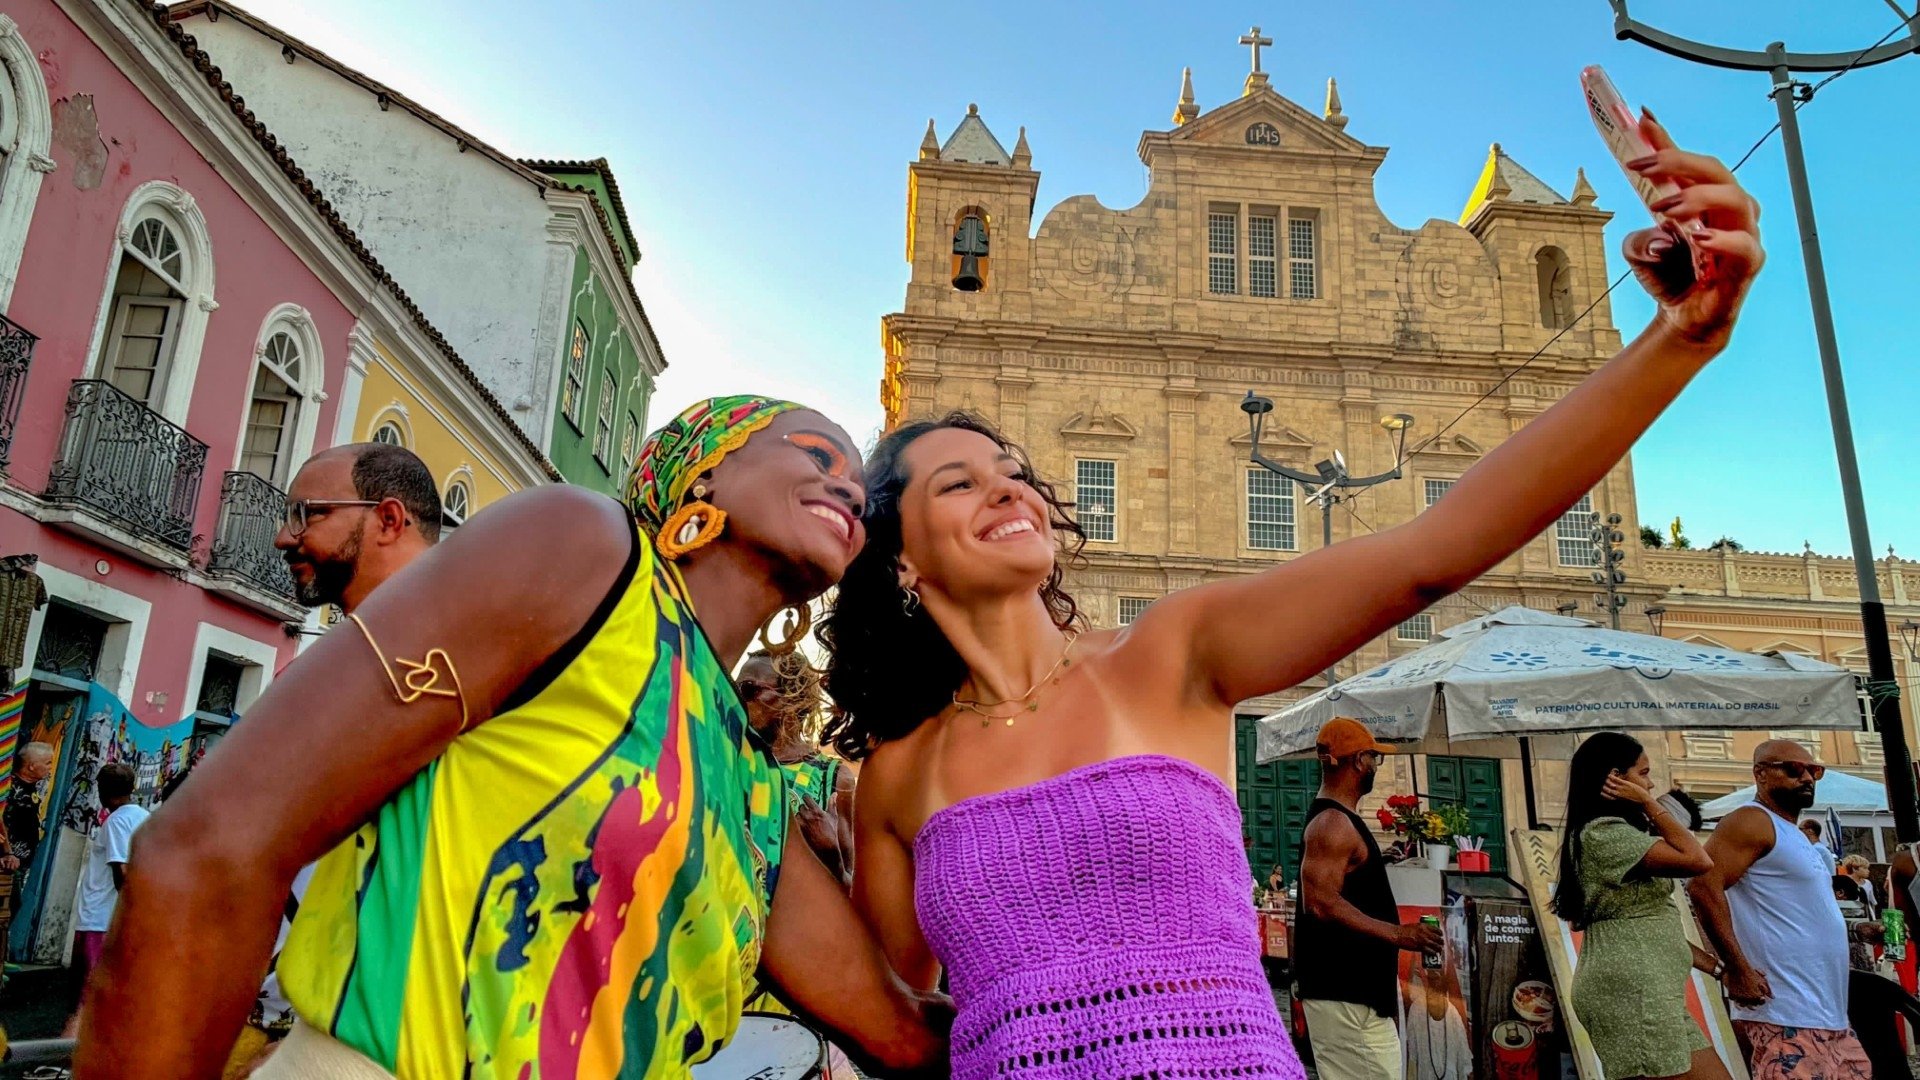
point(967, 276)
point(970, 255)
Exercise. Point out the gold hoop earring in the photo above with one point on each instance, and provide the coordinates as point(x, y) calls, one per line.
point(693, 526)
point(799, 620)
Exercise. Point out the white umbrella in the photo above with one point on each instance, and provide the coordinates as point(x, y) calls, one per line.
point(1839, 792)
point(1525, 672)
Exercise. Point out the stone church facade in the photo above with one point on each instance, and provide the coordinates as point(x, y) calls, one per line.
point(1118, 344)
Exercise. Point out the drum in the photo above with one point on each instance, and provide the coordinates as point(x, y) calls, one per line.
point(768, 1047)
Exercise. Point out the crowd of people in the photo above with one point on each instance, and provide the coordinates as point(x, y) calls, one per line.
point(523, 812)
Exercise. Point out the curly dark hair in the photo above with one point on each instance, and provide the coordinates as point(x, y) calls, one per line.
point(889, 670)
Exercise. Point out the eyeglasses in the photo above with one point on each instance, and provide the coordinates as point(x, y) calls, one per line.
point(300, 512)
point(1798, 770)
point(1375, 757)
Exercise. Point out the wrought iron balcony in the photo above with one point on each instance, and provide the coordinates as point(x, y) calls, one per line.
point(16, 353)
point(122, 462)
point(250, 514)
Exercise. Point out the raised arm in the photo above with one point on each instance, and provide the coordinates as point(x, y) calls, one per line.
point(1677, 854)
point(1262, 633)
point(1740, 839)
point(320, 751)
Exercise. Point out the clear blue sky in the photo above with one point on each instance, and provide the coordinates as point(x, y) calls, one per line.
point(762, 150)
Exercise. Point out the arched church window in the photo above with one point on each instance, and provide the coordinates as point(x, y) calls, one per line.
point(1555, 279)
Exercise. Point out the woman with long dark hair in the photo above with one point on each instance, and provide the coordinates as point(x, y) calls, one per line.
point(1046, 810)
point(1622, 850)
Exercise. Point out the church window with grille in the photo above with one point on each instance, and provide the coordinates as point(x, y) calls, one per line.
point(1303, 277)
point(1572, 535)
point(1418, 628)
point(1270, 512)
point(1223, 251)
point(1263, 232)
point(1096, 490)
point(1132, 607)
point(1436, 490)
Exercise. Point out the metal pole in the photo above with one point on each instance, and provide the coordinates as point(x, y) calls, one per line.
point(1873, 614)
point(1326, 541)
point(1526, 780)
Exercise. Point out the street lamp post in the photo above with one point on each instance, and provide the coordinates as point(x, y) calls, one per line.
point(1787, 93)
point(1329, 481)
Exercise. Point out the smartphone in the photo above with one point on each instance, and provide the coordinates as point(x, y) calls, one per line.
point(1620, 129)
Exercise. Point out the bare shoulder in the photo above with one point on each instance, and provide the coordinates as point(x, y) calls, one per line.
point(1749, 828)
point(1332, 831)
point(885, 778)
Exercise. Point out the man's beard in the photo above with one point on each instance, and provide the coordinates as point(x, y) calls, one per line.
point(331, 577)
point(1366, 781)
point(1794, 798)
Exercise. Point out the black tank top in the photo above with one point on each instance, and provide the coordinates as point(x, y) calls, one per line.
point(1332, 963)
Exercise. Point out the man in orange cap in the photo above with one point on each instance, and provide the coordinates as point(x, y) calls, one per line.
point(1348, 937)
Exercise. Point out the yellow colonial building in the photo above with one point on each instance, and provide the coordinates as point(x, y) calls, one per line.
point(1117, 345)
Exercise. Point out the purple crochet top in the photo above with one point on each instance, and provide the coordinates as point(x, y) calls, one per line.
point(1099, 924)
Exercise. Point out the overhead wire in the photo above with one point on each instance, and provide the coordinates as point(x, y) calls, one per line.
point(1576, 320)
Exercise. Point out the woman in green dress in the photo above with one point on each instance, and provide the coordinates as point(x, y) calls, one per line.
point(1623, 849)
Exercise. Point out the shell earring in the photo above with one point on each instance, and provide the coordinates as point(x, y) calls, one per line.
point(693, 526)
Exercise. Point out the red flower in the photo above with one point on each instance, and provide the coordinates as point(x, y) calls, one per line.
point(1386, 819)
point(1404, 801)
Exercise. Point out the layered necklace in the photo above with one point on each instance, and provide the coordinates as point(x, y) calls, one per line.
point(1027, 702)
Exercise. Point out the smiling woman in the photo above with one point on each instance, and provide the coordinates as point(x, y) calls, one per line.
point(598, 908)
point(1090, 769)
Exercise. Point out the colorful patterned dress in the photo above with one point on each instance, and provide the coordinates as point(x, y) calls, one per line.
point(576, 887)
point(811, 778)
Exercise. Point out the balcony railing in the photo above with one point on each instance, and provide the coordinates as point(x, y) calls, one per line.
point(250, 514)
point(125, 463)
point(16, 353)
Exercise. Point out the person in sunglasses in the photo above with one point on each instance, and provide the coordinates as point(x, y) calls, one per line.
point(1348, 938)
point(356, 515)
point(1767, 906)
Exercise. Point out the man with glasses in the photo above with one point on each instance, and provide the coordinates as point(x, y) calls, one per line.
point(1348, 937)
point(356, 515)
point(1768, 907)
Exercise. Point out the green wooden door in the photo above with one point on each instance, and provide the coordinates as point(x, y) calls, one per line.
point(1475, 784)
point(1273, 805)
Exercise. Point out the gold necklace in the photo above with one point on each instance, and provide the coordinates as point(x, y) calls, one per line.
point(1025, 701)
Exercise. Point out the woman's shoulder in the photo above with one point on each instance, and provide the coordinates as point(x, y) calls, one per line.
point(1605, 831)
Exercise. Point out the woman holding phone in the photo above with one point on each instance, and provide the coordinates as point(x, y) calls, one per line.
point(1046, 809)
point(1622, 852)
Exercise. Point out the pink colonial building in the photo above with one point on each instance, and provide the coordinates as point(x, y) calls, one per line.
point(179, 317)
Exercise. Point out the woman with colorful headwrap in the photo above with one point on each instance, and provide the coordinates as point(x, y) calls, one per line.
point(552, 846)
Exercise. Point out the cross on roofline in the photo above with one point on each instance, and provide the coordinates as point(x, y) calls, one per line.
point(1253, 38)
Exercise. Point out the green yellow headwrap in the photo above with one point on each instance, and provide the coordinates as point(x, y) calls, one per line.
point(690, 445)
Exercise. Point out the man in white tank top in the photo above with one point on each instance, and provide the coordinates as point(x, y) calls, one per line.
point(1768, 907)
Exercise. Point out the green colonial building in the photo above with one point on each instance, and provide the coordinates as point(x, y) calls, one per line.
point(606, 381)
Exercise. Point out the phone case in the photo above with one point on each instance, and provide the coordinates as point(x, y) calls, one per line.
point(1620, 129)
